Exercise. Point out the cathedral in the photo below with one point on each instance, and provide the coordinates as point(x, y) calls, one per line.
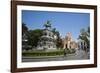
point(68, 42)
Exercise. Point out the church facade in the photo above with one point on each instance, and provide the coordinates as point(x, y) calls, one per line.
point(68, 42)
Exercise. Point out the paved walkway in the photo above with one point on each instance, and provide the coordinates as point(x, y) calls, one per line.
point(79, 55)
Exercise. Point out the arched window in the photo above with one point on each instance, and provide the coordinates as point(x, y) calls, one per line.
point(81, 43)
point(45, 33)
point(44, 43)
point(49, 46)
point(49, 34)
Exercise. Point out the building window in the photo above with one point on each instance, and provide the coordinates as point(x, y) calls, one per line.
point(45, 33)
point(44, 43)
point(81, 43)
point(49, 46)
point(84, 43)
point(49, 34)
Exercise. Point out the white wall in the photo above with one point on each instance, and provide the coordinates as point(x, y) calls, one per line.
point(5, 36)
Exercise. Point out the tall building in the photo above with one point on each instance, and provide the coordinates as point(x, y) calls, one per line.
point(48, 39)
point(68, 42)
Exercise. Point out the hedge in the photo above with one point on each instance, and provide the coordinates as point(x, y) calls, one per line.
point(41, 53)
point(45, 53)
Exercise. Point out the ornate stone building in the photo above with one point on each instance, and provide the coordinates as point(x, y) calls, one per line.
point(82, 45)
point(68, 42)
point(48, 39)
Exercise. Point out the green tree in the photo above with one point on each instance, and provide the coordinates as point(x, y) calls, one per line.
point(24, 28)
point(58, 40)
point(34, 36)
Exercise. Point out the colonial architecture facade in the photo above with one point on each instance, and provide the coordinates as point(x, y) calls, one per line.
point(82, 45)
point(69, 43)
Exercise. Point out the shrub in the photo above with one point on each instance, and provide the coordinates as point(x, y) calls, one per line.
point(43, 53)
point(47, 53)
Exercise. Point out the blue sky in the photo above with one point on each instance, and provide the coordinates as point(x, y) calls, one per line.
point(64, 22)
